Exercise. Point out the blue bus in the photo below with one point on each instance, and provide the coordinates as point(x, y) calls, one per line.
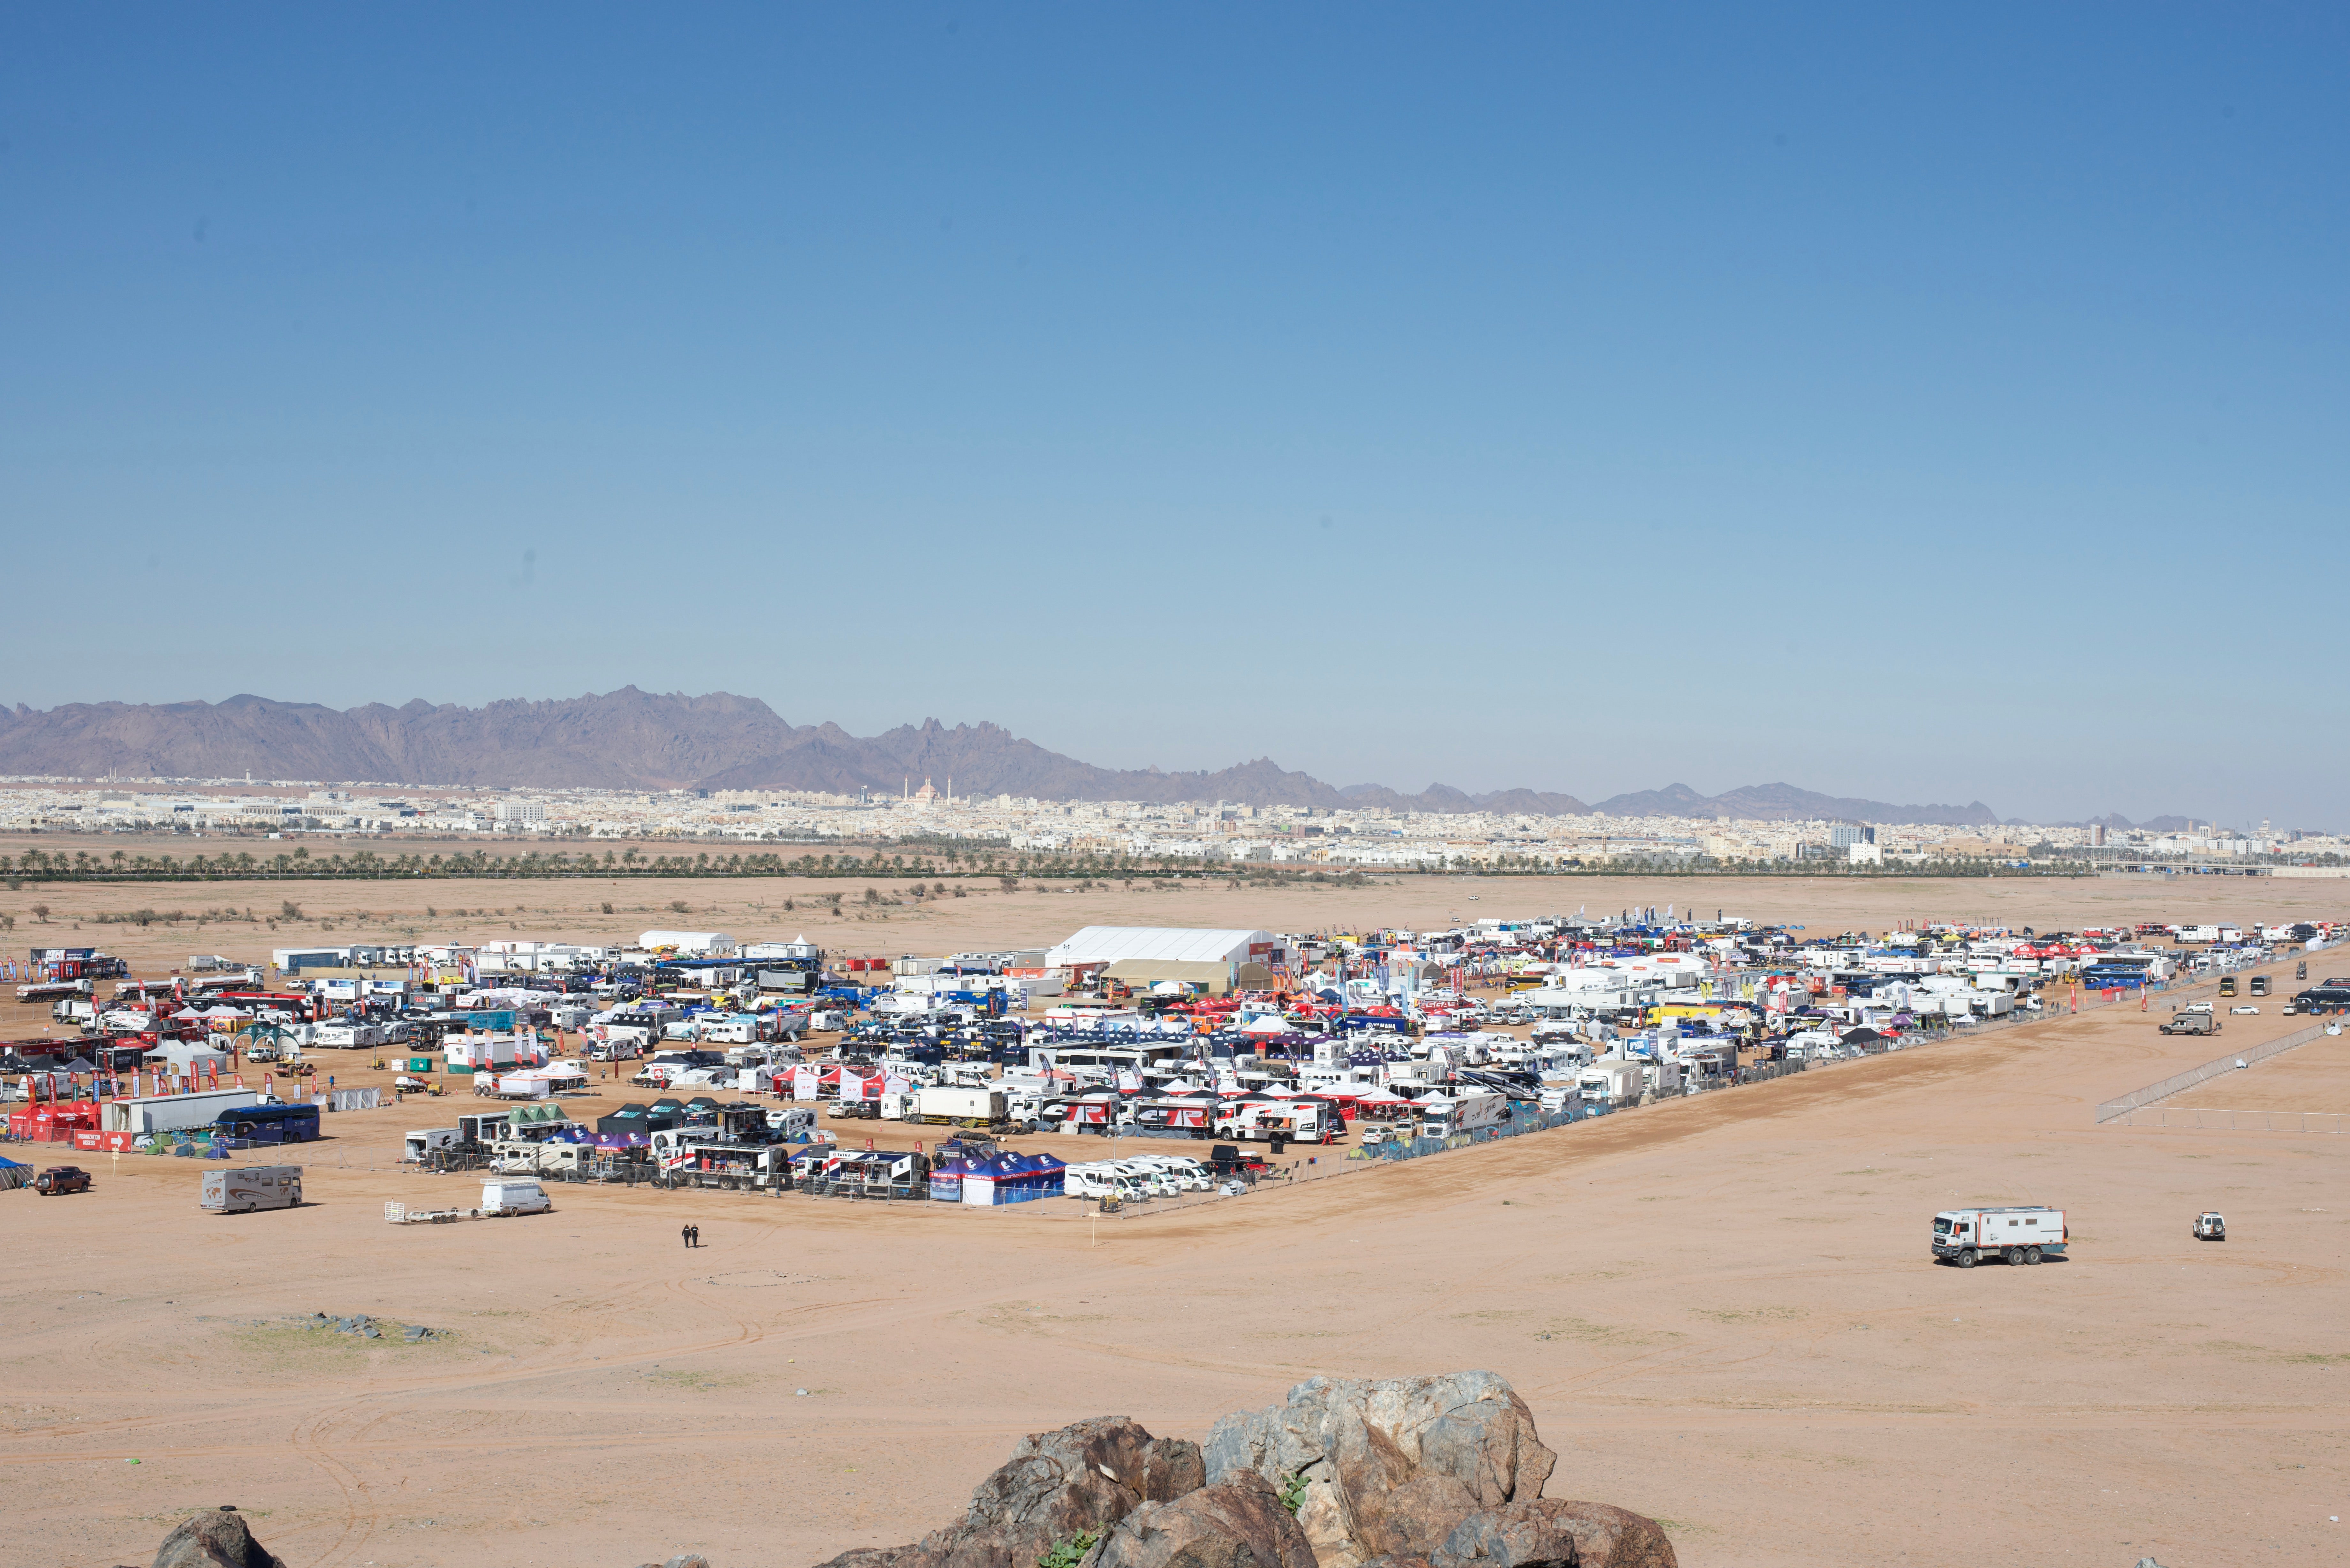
point(269, 1124)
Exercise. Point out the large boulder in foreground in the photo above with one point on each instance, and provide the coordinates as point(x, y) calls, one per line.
point(1240, 1522)
point(1413, 1472)
point(1081, 1480)
point(1390, 1467)
point(217, 1539)
point(1552, 1533)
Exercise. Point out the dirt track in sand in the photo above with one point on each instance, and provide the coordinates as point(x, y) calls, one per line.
point(1720, 1310)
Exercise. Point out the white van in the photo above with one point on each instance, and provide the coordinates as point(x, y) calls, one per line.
point(510, 1195)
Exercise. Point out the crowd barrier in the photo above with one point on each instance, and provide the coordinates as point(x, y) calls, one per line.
point(2192, 1119)
point(2137, 1099)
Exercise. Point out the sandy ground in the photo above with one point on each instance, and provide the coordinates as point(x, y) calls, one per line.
point(986, 918)
point(2311, 1077)
point(1722, 1310)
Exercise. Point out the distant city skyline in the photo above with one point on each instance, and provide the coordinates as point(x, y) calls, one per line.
point(727, 742)
point(1922, 407)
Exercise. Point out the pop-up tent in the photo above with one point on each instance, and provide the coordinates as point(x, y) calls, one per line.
point(946, 1181)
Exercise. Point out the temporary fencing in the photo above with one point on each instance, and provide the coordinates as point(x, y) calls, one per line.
point(2191, 1119)
point(2137, 1099)
point(1518, 1125)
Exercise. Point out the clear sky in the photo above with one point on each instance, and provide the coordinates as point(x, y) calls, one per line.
point(1926, 403)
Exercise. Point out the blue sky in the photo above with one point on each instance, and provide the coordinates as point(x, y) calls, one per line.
point(1929, 406)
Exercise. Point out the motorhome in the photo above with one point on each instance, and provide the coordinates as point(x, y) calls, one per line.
point(549, 1158)
point(241, 1189)
point(1266, 1121)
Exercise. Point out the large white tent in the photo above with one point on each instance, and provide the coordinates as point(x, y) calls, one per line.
point(1158, 944)
point(1150, 956)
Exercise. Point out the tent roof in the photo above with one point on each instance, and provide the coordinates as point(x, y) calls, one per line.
point(1166, 944)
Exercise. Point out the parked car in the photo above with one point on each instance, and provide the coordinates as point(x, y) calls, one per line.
point(59, 1179)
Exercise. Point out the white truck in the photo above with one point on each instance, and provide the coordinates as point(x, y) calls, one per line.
point(1442, 1115)
point(241, 1189)
point(963, 1107)
point(1613, 1081)
point(2024, 1233)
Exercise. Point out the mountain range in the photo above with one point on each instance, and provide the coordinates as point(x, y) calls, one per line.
point(632, 740)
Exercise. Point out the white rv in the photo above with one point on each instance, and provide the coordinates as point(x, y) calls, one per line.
point(241, 1189)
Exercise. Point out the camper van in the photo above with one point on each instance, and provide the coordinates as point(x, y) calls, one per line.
point(241, 1189)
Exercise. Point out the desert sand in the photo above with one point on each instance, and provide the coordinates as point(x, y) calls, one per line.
point(1722, 1310)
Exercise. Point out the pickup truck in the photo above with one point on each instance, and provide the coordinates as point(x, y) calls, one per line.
point(60, 1178)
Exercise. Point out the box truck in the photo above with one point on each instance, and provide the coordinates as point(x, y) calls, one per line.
point(958, 1107)
point(1613, 1081)
point(1442, 1115)
point(241, 1189)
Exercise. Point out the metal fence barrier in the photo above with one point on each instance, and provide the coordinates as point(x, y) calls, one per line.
point(2137, 1099)
point(2190, 1119)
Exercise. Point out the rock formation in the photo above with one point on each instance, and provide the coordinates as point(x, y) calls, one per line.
point(1057, 1486)
point(1415, 1472)
point(217, 1539)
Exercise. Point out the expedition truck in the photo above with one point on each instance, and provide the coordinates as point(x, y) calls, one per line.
point(2018, 1235)
point(2201, 1020)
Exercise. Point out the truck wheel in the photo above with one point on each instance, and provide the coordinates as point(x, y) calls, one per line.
point(2013, 1256)
point(2032, 1254)
point(1966, 1257)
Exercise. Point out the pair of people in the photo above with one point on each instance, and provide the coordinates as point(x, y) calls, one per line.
point(692, 1235)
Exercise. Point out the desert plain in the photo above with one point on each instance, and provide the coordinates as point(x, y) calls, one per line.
point(1722, 1310)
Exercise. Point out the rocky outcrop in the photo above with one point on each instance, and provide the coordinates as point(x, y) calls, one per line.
point(1057, 1486)
point(1388, 1468)
point(1549, 1529)
point(217, 1539)
point(1241, 1522)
